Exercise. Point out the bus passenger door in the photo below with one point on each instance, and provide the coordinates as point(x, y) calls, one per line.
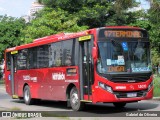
point(12, 77)
point(85, 70)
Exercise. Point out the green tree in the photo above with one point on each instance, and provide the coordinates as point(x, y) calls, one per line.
point(10, 32)
point(121, 6)
point(52, 22)
point(71, 6)
point(96, 13)
point(154, 19)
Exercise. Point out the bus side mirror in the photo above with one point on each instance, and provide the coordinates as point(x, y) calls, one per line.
point(94, 52)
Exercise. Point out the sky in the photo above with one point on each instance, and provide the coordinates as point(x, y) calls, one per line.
point(144, 4)
point(18, 8)
point(15, 8)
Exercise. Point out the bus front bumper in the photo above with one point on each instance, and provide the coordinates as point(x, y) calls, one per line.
point(102, 95)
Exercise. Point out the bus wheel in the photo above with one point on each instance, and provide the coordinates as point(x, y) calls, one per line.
point(75, 102)
point(27, 96)
point(119, 104)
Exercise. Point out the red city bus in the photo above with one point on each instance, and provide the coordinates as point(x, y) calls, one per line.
point(108, 65)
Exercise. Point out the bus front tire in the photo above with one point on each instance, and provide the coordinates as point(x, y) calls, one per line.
point(119, 104)
point(75, 102)
point(27, 96)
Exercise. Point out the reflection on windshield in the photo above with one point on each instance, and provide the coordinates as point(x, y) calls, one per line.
point(116, 56)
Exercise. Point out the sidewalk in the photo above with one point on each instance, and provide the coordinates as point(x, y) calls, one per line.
point(156, 98)
point(2, 87)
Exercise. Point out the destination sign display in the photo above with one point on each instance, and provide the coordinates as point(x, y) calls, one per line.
point(123, 33)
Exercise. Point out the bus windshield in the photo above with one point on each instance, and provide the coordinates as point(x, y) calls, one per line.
point(123, 56)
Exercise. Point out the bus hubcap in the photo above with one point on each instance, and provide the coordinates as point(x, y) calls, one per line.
point(26, 95)
point(74, 98)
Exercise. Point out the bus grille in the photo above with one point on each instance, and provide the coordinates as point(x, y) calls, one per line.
point(129, 78)
point(124, 94)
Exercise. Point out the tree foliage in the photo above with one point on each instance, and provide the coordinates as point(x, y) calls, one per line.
point(52, 22)
point(154, 19)
point(10, 33)
point(96, 13)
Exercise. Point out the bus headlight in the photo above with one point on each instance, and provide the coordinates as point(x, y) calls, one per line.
point(105, 87)
point(150, 85)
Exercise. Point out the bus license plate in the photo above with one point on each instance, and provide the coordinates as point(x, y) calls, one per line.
point(131, 94)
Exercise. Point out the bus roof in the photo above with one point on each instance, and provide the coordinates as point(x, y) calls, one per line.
point(49, 39)
point(123, 27)
point(64, 36)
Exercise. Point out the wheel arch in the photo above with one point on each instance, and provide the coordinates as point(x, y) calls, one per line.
point(69, 87)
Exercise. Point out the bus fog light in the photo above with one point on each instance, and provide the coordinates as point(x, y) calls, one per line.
point(105, 87)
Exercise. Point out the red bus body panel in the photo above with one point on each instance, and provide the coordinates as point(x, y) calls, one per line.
point(42, 84)
point(101, 95)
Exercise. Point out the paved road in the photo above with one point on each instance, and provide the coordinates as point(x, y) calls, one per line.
point(95, 112)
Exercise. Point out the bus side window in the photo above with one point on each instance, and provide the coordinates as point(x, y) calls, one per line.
point(43, 56)
point(51, 55)
point(55, 54)
point(8, 61)
point(67, 53)
point(32, 58)
point(22, 59)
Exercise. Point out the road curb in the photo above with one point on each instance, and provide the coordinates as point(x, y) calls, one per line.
point(156, 98)
point(2, 87)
